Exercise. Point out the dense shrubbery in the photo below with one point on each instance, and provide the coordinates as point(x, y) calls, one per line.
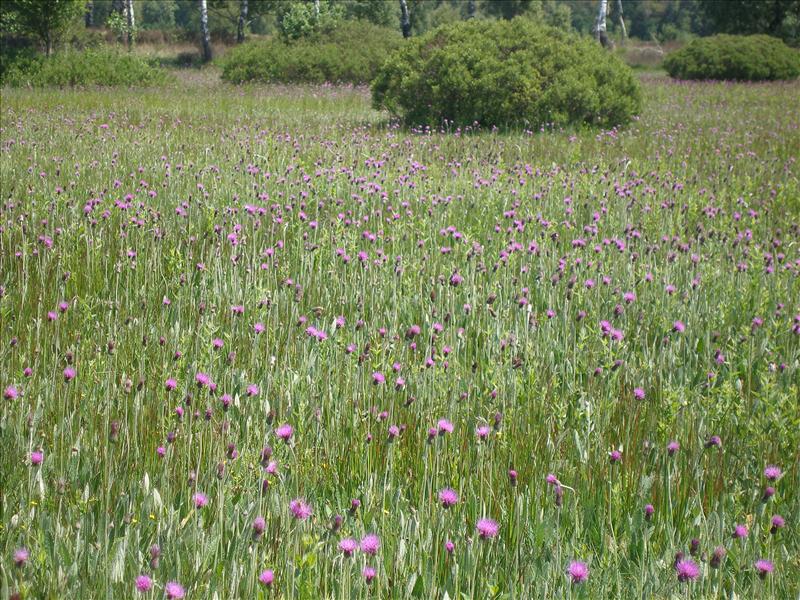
point(506, 73)
point(744, 58)
point(350, 52)
point(101, 67)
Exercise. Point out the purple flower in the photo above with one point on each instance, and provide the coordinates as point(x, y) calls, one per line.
point(348, 546)
point(578, 571)
point(11, 393)
point(444, 426)
point(717, 556)
point(638, 393)
point(259, 525)
point(483, 432)
point(300, 509)
point(678, 327)
point(200, 500)
point(174, 590)
point(369, 574)
point(252, 390)
point(772, 473)
point(37, 457)
point(144, 583)
point(714, 441)
point(551, 479)
point(648, 511)
point(69, 374)
point(378, 378)
point(764, 568)
point(448, 497)
point(615, 456)
point(673, 447)
point(394, 431)
point(21, 556)
point(284, 432)
point(170, 384)
point(687, 570)
point(487, 528)
point(777, 523)
point(740, 531)
point(370, 544)
point(449, 546)
point(266, 578)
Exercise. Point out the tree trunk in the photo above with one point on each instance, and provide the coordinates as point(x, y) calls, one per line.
point(242, 21)
point(621, 22)
point(204, 31)
point(600, 30)
point(405, 20)
point(89, 15)
point(316, 9)
point(471, 9)
point(48, 43)
point(131, 22)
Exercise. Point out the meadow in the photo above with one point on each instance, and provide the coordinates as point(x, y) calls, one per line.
point(261, 342)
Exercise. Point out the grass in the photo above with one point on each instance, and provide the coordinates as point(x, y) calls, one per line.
point(152, 213)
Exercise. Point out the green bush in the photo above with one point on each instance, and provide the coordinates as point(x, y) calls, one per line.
point(506, 73)
point(735, 57)
point(350, 52)
point(100, 67)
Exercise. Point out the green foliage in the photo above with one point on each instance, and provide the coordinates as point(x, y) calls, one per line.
point(779, 18)
point(300, 19)
point(43, 20)
point(506, 73)
point(92, 67)
point(350, 52)
point(741, 58)
point(158, 15)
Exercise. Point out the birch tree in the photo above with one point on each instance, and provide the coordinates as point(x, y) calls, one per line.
point(242, 21)
point(600, 31)
point(405, 19)
point(204, 31)
point(471, 9)
point(621, 20)
point(130, 19)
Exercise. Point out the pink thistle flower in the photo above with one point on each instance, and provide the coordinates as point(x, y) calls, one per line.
point(487, 528)
point(369, 574)
point(578, 571)
point(687, 570)
point(200, 500)
point(144, 584)
point(11, 393)
point(284, 432)
point(21, 556)
point(37, 457)
point(300, 509)
point(764, 568)
point(772, 473)
point(174, 590)
point(266, 578)
point(348, 546)
point(69, 374)
point(448, 497)
point(370, 544)
point(170, 384)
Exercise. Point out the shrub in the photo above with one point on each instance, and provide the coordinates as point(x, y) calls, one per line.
point(736, 57)
point(506, 73)
point(350, 52)
point(101, 67)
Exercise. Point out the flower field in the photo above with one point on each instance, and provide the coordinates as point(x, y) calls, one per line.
point(260, 343)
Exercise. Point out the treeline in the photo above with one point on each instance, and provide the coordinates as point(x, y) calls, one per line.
point(231, 21)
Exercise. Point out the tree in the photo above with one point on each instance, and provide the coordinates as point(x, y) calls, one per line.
point(621, 20)
point(130, 21)
point(204, 32)
point(600, 30)
point(43, 20)
point(242, 21)
point(405, 20)
point(89, 14)
point(779, 18)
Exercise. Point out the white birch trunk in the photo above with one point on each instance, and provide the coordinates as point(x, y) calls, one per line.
point(131, 18)
point(242, 21)
point(600, 31)
point(316, 9)
point(405, 19)
point(621, 19)
point(204, 31)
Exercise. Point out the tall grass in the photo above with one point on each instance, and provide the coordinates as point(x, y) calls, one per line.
point(154, 215)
